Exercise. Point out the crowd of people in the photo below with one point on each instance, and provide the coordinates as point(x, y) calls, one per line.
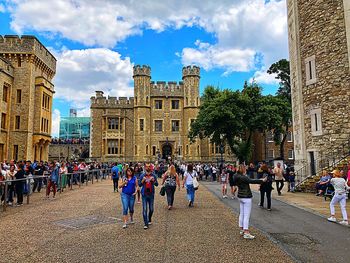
point(137, 182)
point(69, 141)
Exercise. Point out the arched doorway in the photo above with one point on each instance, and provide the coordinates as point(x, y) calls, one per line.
point(167, 151)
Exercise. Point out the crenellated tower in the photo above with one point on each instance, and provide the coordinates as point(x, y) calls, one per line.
point(142, 109)
point(190, 77)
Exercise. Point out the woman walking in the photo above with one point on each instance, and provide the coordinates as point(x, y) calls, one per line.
point(188, 182)
point(266, 187)
point(138, 173)
point(129, 186)
point(10, 175)
point(171, 179)
point(340, 188)
point(148, 181)
point(242, 181)
point(223, 182)
point(63, 177)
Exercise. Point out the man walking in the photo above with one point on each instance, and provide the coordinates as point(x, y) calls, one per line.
point(278, 172)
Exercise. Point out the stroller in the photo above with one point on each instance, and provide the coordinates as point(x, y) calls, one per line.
point(329, 192)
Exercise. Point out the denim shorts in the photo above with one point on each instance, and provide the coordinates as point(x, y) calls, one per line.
point(128, 202)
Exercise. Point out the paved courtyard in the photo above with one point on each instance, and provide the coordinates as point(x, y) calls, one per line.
point(84, 225)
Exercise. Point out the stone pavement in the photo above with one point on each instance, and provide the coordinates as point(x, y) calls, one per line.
point(83, 226)
point(307, 201)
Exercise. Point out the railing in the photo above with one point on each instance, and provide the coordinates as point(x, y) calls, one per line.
point(326, 160)
point(77, 178)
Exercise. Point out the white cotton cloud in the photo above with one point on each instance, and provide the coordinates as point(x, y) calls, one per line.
point(262, 77)
point(81, 72)
point(56, 118)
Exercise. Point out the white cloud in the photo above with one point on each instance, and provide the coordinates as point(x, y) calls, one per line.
point(208, 57)
point(81, 72)
point(56, 117)
point(262, 77)
point(2, 8)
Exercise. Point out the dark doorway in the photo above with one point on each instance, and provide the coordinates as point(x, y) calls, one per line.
point(166, 151)
point(312, 163)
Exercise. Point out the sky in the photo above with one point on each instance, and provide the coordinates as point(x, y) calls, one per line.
point(97, 43)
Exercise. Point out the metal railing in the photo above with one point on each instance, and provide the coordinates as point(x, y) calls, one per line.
point(327, 160)
point(77, 178)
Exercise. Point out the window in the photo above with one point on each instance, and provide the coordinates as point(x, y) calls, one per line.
point(142, 124)
point(290, 137)
point(290, 154)
point(135, 100)
point(19, 62)
point(269, 136)
point(217, 148)
point(316, 122)
point(17, 122)
point(212, 148)
point(175, 104)
point(158, 125)
point(15, 152)
point(270, 154)
point(19, 96)
point(135, 149)
point(159, 104)
point(5, 91)
point(310, 70)
point(180, 150)
point(175, 125)
point(198, 150)
point(121, 146)
point(3, 120)
point(113, 123)
point(2, 152)
point(187, 151)
point(147, 100)
point(153, 151)
point(112, 146)
point(146, 149)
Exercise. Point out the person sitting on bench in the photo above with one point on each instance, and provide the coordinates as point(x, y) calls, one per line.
point(322, 184)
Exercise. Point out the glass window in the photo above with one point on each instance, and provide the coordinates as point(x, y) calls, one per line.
point(290, 137)
point(175, 125)
point(159, 104)
point(112, 146)
point(290, 154)
point(269, 136)
point(113, 123)
point(175, 104)
point(158, 125)
point(19, 96)
point(15, 152)
point(17, 122)
point(270, 154)
point(142, 124)
point(154, 150)
point(3, 120)
point(5, 91)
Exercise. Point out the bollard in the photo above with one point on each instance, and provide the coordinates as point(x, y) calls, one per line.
point(5, 197)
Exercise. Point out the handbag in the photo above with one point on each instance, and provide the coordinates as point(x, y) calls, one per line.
point(195, 183)
point(162, 191)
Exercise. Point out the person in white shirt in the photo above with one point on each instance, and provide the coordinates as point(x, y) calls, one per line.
point(340, 189)
point(278, 172)
point(188, 182)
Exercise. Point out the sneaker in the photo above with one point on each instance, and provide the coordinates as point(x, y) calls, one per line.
point(343, 222)
point(241, 232)
point(125, 226)
point(9, 204)
point(131, 222)
point(332, 219)
point(145, 227)
point(149, 223)
point(261, 206)
point(233, 197)
point(269, 209)
point(248, 236)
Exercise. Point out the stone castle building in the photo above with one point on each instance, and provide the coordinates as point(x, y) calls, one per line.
point(153, 125)
point(26, 72)
point(319, 47)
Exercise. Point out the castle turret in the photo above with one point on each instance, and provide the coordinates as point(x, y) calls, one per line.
point(142, 112)
point(190, 77)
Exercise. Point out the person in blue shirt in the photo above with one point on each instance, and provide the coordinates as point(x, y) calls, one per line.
point(323, 183)
point(115, 177)
point(148, 181)
point(129, 187)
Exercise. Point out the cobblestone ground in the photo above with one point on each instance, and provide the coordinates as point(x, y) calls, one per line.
point(206, 233)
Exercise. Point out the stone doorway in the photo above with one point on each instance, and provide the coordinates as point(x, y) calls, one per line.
point(167, 151)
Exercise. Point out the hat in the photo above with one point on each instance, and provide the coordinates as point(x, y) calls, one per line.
point(336, 173)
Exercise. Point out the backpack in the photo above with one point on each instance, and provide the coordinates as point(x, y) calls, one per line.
point(148, 187)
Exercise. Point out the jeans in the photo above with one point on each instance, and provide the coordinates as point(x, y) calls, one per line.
point(10, 192)
point(19, 192)
point(170, 192)
point(38, 182)
point(245, 207)
point(279, 185)
point(128, 202)
point(147, 208)
point(266, 191)
point(115, 184)
point(341, 199)
point(190, 192)
point(292, 186)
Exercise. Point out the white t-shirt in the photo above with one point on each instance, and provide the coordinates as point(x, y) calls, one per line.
point(189, 177)
point(339, 185)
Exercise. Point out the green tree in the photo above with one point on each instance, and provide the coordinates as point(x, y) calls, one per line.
point(283, 101)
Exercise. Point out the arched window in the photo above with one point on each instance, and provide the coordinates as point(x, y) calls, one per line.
point(147, 149)
point(198, 150)
point(147, 100)
point(187, 149)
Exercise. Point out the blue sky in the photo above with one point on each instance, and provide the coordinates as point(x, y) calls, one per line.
point(96, 46)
